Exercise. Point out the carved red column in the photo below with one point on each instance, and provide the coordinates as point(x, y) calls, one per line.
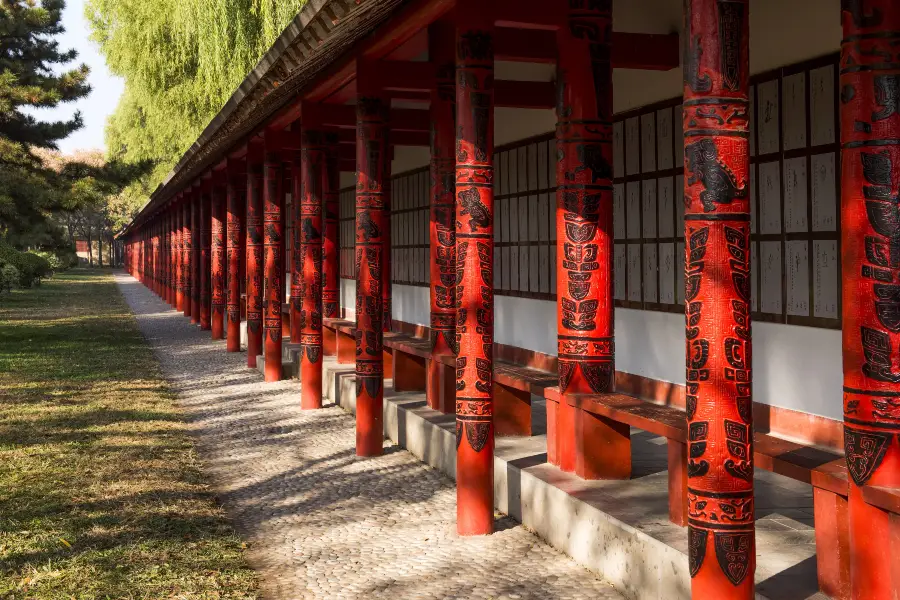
point(196, 241)
point(870, 230)
point(178, 255)
point(154, 258)
point(717, 299)
point(173, 274)
point(474, 269)
point(372, 170)
point(205, 262)
point(442, 230)
point(254, 261)
point(584, 215)
point(186, 252)
point(218, 270)
point(273, 240)
point(296, 259)
point(331, 269)
point(235, 192)
point(312, 159)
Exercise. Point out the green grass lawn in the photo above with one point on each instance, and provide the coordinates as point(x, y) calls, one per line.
point(101, 494)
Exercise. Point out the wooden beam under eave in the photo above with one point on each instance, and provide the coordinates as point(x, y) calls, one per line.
point(647, 51)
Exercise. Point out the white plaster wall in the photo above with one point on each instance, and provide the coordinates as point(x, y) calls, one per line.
point(348, 298)
point(411, 304)
point(793, 367)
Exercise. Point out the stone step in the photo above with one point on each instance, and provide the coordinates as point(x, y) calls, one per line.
point(289, 368)
point(618, 529)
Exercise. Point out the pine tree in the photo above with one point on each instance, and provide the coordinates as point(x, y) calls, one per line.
point(30, 61)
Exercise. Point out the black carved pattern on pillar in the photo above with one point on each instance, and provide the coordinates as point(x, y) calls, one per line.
point(331, 268)
point(870, 255)
point(178, 255)
point(186, 251)
point(311, 201)
point(254, 262)
point(235, 197)
point(205, 264)
point(442, 233)
point(474, 272)
point(218, 269)
point(717, 299)
point(273, 241)
point(372, 170)
point(196, 241)
point(296, 258)
point(584, 212)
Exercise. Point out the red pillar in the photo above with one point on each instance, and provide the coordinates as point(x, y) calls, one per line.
point(372, 170)
point(721, 540)
point(170, 256)
point(331, 269)
point(179, 255)
point(273, 242)
point(442, 230)
point(254, 261)
point(196, 241)
point(186, 252)
point(217, 258)
point(870, 151)
point(235, 197)
point(205, 264)
point(584, 216)
point(296, 258)
point(474, 269)
point(312, 173)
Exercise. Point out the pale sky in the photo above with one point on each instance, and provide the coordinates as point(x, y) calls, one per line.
point(106, 90)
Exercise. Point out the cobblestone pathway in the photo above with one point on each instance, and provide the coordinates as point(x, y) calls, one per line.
point(320, 522)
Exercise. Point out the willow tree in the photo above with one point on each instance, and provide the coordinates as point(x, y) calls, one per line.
point(181, 60)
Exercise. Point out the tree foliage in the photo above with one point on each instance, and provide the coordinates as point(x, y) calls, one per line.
point(181, 61)
point(32, 75)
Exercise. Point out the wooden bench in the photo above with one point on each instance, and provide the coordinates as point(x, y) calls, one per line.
point(514, 385)
point(330, 328)
point(602, 447)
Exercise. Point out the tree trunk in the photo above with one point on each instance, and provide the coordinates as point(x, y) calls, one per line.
point(100, 249)
point(90, 247)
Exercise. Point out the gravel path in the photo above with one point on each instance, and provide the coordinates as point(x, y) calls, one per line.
point(319, 522)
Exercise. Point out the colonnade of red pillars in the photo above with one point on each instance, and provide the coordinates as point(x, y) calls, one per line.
point(721, 535)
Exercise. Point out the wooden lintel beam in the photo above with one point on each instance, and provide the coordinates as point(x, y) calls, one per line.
point(524, 94)
point(397, 138)
point(405, 75)
point(402, 119)
point(528, 14)
point(647, 51)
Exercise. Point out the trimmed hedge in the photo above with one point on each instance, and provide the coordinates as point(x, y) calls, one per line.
point(32, 268)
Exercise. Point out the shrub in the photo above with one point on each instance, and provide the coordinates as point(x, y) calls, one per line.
point(31, 267)
point(9, 276)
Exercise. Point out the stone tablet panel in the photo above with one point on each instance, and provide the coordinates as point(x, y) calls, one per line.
point(794, 117)
point(664, 135)
point(795, 195)
point(634, 272)
point(770, 277)
point(648, 204)
point(648, 143)
point(651, 266)
point(769, 197)
point(666, 189)
point(826, 278)
point(619, 211)
point(821, 99)
point(667, 273)
point(797, 280)
point(633, 209)
point(824, 192)
point(619, 149)
point(632, 146)
point(620, 271)
point(767, 116)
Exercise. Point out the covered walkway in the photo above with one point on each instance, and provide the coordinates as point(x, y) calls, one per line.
point(321, 523)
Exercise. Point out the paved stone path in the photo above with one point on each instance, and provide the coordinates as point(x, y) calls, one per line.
point(320, 522)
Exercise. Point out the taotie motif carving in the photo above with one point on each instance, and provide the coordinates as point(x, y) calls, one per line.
point(721, 185)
